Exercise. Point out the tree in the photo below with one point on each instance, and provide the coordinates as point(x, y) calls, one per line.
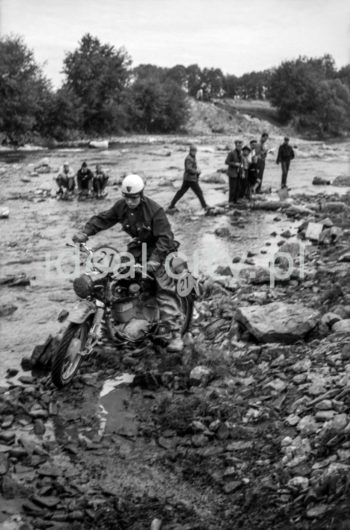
point(24, 91)
point(157, 107)
point(194, 79)
point(98, 74)
point(309, 92)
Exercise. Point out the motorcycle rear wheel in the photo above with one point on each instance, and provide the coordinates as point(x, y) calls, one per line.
point(67, 357)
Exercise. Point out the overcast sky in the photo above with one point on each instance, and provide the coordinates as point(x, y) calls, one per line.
point(235, 35)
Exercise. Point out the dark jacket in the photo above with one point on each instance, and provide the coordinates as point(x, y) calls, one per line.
point(234, 161)
point(145, 224)
point(191, 172)
point(85, 175)
point(285, 153)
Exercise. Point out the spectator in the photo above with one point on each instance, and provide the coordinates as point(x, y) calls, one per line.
point(285, 155)
point(84, 179)
point(234, 171)
point(261, 153)
point(65, 181)
point(99, 182)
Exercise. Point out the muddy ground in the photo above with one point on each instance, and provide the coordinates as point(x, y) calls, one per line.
point(166, 449)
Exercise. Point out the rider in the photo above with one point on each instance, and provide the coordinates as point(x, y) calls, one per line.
point(144, 220)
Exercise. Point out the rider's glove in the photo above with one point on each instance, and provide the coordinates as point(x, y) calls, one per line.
point(152, 266)
point(80, 237)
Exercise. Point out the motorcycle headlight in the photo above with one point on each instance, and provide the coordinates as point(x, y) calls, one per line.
point(83, 286)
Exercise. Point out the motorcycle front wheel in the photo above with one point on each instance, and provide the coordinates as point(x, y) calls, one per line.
point(68, 354)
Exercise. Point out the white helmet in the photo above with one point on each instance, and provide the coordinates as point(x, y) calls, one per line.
point(132, 185)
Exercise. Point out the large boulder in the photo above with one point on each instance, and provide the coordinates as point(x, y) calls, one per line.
point(278, 322)
point(341, 181)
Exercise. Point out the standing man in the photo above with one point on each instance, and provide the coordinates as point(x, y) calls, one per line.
point(235, 168)
point(261, 153)
point(285, 155)
point(190, 180)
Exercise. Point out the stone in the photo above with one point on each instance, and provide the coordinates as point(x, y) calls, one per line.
point(298, 483)
point(313, 231)
point(223, 270)
point(301, 366)
point(255, 275)
point(278, 321)
point(325, 415)
point(277, 384)
point(200, 374)
point(47, 501)
point(7, 309)
point(317, 511)
point(292, 420)
point(232, 486)
point(345, 257)
point(341, 181)
point(307, 425)
point(4, 463)
point(342, 326)
point(39, 427)
point(240, 445)
point(325, 404)
point(319, 181)
point(329, 319)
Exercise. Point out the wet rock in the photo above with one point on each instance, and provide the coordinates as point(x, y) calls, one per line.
point(307, 425)
point(335, 207)
point(301, 366)
point(26, 379)
point(286, 234)
point(319, 181)
point(223, 270)
point(256, 275)
point(4, 464)
point(278, 322)
point(325, 404)
point(325, 415)
point(156, 524)
point(341, 181)
point(329, 319)
point(7, 309)
point(345, 258)
point(342, 326)
point(241, 445)
point(232, 486)
point(39, 427)
point(200, 375)
point(317, 511)
point(298, 484)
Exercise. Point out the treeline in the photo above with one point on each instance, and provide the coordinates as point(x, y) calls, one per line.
point(102, 94)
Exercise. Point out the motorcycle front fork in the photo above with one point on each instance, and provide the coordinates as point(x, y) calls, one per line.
point(95, 332)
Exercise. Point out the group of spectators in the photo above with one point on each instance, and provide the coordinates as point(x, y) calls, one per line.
point(88, 183)
point(246, 166)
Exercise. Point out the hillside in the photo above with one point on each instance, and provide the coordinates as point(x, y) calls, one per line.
point(232, 117)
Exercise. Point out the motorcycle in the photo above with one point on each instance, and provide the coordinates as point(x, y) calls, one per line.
point(121, 307)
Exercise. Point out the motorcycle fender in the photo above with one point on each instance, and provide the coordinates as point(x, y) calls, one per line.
point(82, 311)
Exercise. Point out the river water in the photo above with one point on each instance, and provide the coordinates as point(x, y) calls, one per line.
point(36, 233)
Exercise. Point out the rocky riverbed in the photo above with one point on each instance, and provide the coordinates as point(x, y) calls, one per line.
point(248, 428)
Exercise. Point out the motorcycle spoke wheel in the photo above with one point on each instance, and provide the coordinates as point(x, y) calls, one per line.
point(68, 355)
